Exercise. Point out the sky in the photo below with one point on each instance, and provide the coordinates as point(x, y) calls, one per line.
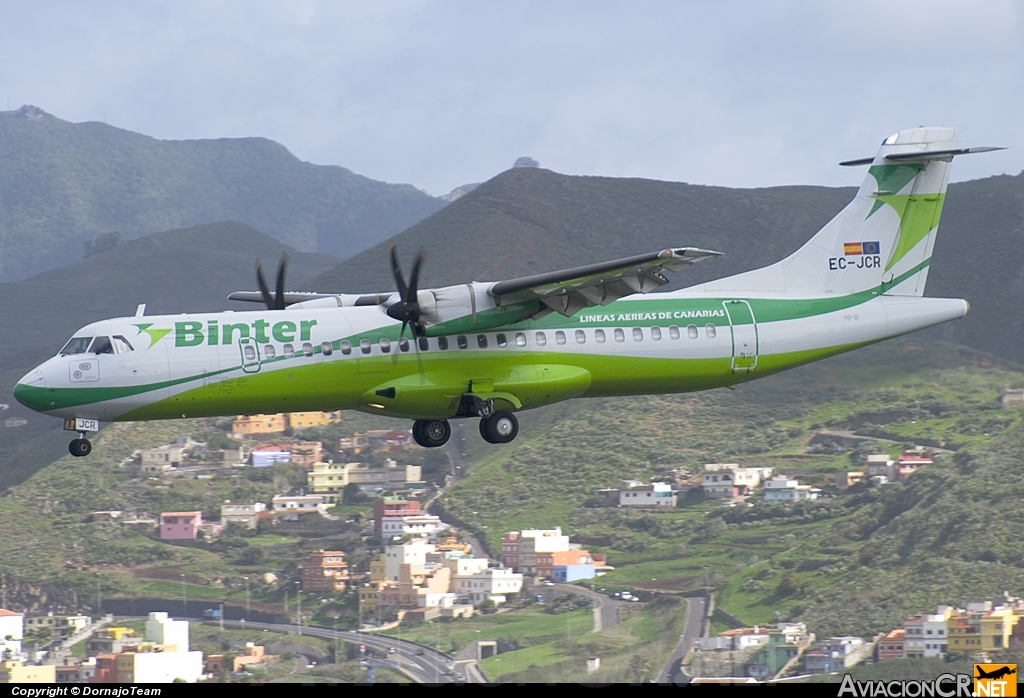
point(439, 94)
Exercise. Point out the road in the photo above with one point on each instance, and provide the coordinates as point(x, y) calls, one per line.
point(847, 434)
point(419, 662)
point(607, 615)
point(672, 671)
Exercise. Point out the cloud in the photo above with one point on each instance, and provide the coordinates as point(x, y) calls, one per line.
point(442, 93)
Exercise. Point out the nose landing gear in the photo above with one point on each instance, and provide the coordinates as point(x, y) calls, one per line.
point(80, 447)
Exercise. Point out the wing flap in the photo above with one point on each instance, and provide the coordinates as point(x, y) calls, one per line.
point(571, 290)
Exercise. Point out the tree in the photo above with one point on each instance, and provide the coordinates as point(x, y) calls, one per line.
point(789, 584)
point(639, 667)
point(352, 494)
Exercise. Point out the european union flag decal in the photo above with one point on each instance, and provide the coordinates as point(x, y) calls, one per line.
point(871, 247)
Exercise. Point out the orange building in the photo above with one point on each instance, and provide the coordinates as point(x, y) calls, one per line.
point(546, 562)
point(891, 646)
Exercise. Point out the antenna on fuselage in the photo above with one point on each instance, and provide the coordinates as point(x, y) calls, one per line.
point(141, 310)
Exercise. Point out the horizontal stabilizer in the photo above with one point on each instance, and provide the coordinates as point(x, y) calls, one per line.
point(925, 155)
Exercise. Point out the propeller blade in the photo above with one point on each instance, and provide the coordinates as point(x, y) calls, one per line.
point(414, 277)
point(396, 270)
point(282, 267)
point(264, 289)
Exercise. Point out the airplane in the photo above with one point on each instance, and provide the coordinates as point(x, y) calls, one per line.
point(490, 350)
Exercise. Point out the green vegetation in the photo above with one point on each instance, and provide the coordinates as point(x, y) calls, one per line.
point(650, 633)
point(886, 553)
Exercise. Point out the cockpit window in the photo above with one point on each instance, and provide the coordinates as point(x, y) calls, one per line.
point(77, 345)
point(122, 345)
point(101, 345)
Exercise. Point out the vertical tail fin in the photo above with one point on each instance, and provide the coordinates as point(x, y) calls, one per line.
point(883, 239)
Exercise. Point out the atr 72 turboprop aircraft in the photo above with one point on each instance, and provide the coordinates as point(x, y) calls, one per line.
point(490, 350)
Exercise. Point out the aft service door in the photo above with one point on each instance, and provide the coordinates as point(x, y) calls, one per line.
point(744, 335)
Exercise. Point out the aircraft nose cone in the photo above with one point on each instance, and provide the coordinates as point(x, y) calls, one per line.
point(31, 390)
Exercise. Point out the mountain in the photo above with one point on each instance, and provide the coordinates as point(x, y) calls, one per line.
point(193, 270)
point(529, 220)
point(62, 184)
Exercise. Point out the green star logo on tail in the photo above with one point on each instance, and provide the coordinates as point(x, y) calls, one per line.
point(154, 335)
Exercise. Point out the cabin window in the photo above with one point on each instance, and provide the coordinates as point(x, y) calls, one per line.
point(599, 336)
point(269, 352)
point(327, 348)
point(442, 343)
point(691, 331)
point(101, 345)
point(289, 351)
point(481, 341)
point(581, 336)
point(122, 345)
point(346, 348)
point(655, 333)
point(77, 345)
point(560, 337)
point(638, 334)
point(403, 344)
point(424, 344)
point(502, 341)
point(673, 332)
point(250, 352)
point(307, 348)
point(520, 339)
point(462, 341)
point(620, 336)
point(541, 339)
point(364, 346)
point(710, 330)
point(385, 345)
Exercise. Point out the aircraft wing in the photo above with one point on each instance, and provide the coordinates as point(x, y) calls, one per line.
point(571, 290)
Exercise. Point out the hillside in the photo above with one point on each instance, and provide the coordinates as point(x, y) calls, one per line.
point(193, 269)
point(529, 220)
point(947, 536)
point(63, 183)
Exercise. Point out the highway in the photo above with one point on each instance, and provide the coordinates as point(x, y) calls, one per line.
point(419, 662)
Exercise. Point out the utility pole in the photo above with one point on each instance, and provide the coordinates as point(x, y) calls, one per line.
point(99, 595)
point(248, 610)
point(298, 595)
point(184, 596)
point(222, 617)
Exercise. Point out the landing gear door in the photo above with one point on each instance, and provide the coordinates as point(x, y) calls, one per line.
point(250, 355)
point(744, 335)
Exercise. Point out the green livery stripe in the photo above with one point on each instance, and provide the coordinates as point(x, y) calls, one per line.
point(433, 374)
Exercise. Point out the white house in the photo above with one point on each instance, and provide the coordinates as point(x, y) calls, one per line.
point(165, 631)
point(784, 489)
point(413, 552)
point(493, 583)
point(12, 630)
point(656, 494)
point(925, 635)
point(242, 513)
point(533, 541)
point(297, 504)
point(415, 525)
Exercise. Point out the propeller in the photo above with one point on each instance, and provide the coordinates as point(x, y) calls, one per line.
point(274, 301)
point(407, 309)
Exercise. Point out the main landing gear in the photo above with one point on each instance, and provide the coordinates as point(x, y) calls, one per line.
point(495, 428)
point(80, 447)
point(499, 427)
point(431, 433)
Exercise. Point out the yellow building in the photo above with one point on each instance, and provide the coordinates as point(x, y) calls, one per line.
point(312, 419)
point(369, 598)
point(259, 424)
point(377, 566)
point(15, 671)
point(989, 631)
point(326, 478)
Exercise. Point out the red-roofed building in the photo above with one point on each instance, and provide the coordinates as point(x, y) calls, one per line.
point(327, 571)
point(392, 506)
point(909, 461)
